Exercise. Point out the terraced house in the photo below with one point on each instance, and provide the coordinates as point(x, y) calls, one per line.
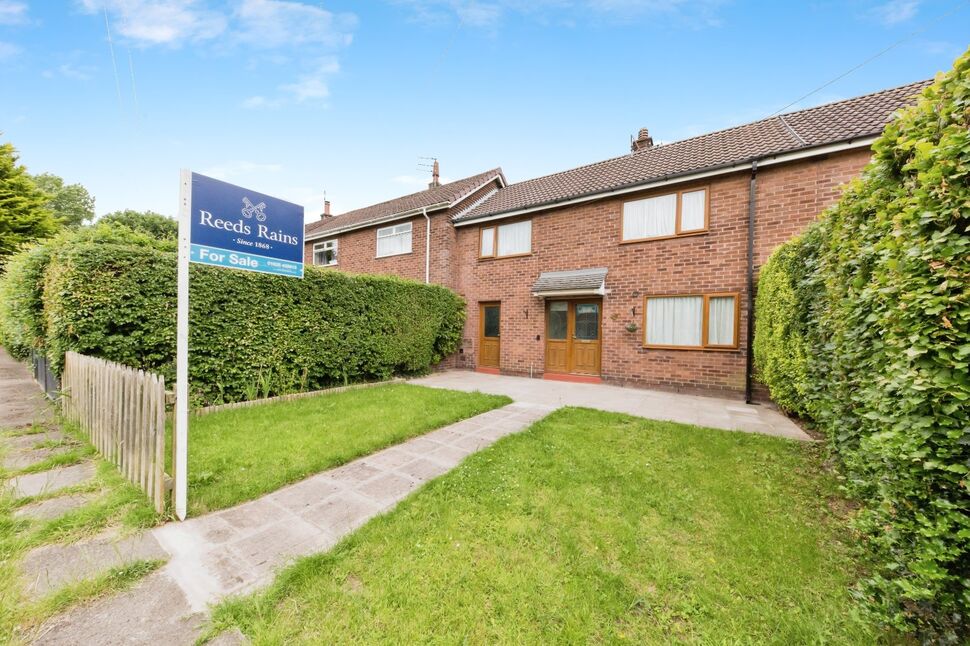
point(638, 269)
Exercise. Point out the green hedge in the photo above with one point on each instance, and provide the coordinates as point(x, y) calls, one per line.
point(871, 310)
point(250, 334)
point(21, 301)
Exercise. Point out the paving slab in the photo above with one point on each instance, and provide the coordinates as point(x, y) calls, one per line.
point(715, 412)
point(51, 567)
point(154, 612)
point(54, 507)
point(44, 482)
point(28, 441)
point(28, 458)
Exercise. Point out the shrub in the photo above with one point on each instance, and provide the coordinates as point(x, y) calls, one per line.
point(156, 225)
point(249, 333)
point(881, 309)
point(21, 302)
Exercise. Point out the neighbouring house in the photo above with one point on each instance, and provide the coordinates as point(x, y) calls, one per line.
point(637, 269)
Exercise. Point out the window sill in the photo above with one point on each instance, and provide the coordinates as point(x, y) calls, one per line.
point(394, 255)
point(514, 255)
point(692, 234)
point(712, 348)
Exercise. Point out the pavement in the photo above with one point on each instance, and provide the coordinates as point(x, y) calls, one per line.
point(713, 412)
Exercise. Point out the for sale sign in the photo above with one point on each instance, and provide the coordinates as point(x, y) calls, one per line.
point(236, 227)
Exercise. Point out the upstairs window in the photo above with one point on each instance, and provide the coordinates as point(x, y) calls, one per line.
point(394, 241)
point(513, 239)
point(666, 216)
point(691, 321)
point(325, 253)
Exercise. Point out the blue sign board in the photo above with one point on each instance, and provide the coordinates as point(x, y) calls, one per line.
point(234, 227)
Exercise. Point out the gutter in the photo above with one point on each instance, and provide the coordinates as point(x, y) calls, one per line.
point(749, 350)
point(427, 246)
point(677, 178)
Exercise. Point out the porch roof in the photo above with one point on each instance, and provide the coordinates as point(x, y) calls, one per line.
point(576, 282)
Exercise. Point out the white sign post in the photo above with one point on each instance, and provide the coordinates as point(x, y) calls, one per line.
point(180, 462)
point(224, 225)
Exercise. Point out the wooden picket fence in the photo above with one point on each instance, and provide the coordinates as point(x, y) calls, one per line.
point(123, 412)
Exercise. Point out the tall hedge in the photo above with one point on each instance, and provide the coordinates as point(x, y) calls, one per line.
point(250, 334)
point(882, 314)
point(21, 301)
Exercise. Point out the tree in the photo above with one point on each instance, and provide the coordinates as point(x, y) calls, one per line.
point(154, 224)
point(24, 216)
point(71, 204)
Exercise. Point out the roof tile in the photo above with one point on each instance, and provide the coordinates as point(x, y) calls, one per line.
point(826, 124)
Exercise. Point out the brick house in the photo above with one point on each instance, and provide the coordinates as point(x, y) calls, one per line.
point(637, 269)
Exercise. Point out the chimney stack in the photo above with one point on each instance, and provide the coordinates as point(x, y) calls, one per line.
point(326, 210)
point(643, 141)
point(435, 177)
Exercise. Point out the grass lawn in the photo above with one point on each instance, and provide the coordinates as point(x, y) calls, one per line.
point(242, 453)
point(589, 527)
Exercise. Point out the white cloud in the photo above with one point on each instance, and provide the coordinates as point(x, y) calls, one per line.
point(896, 11)
point(313, 85)
point(165, 22)
point(259, 102)
point(238, 168)
point(277, 23)
point(13, 12)
point(8, 50)
point(71, 71)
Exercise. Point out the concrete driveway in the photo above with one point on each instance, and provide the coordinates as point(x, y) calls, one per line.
point(714, 412)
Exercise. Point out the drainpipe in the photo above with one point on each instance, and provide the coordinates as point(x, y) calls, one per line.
point(427, 246)
point(749, 359)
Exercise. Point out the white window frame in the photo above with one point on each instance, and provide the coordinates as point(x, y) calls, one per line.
point(394, 230)
point(678, 229)
point(492, 231)
point(330, 244)
point(705, 321)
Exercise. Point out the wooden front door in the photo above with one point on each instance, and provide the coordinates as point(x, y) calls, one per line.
point(489, 324)
point(573, 330)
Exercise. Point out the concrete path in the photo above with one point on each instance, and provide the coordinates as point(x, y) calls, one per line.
point(237, 550)
point(22, 402)
point(714, 412)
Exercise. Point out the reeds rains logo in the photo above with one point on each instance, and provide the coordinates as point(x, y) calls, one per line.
point(249, 210)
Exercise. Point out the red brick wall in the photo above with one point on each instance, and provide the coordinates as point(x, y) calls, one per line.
point(588, 235)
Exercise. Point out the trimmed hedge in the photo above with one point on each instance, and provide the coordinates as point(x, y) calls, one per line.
point(250, 334)
point(871, 313)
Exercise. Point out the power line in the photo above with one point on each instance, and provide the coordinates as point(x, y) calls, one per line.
point(131, 63)
point(114, 62)
point(959, 6)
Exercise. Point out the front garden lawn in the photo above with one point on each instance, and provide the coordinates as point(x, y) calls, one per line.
point(588, 528)
point(242, 453)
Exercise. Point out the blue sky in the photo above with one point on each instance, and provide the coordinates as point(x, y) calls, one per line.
point(297, 98)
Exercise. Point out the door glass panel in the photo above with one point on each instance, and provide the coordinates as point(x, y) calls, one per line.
point(558, 320)
point(587, 321)
point(492, 321)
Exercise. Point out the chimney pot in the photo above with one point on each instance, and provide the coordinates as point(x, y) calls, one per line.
point(326, 210)
point(435, 177)
point(643, 140)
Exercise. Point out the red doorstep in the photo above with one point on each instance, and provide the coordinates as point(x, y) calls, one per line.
point(489, 371)
point(576, 379)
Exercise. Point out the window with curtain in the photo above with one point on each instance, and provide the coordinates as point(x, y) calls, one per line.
point(325, 253)
point(679, 321)
point(506, 240)
point(664, 216)
point(721, 317)
point(395, 240)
